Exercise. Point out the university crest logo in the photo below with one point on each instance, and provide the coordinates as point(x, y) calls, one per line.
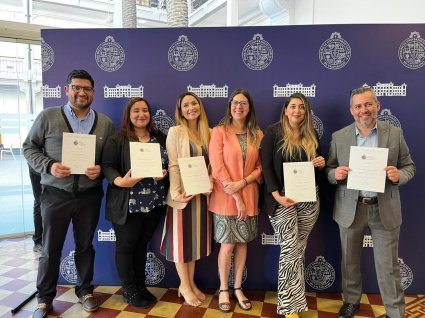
point(182, 54)
point(335, 52)
point(320, 274)
point(110, 55)
point(412, 51)
point(257, 54)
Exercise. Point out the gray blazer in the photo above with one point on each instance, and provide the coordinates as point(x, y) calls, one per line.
point(398, 155)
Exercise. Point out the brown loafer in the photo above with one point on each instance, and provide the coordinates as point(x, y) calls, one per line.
point(89, 303)
point(42, 310)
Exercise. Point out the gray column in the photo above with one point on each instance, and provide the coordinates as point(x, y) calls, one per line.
point(278, 11)
point(177, 13)
point(129, 19)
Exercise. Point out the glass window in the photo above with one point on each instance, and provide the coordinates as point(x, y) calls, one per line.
point(20, 102)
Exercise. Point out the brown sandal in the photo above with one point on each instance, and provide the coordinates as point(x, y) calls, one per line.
point(226, 306)
point(243, 304)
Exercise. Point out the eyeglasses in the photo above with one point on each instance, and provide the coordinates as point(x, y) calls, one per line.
point(86, 89)
point(242, 103)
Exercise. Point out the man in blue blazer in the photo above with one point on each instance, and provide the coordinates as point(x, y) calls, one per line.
point(355, 210)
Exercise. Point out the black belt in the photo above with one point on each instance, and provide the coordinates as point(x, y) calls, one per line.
point(368, 200)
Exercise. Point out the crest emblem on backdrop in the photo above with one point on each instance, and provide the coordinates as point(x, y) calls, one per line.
point(257, 54)
point(387, 117)
point(155, 269)
point(406, 274)
point(110, 55)
point(68, 269)
point(47, 56)
point(335, 52)
point(182, 54)
point(162, 121)
point(412, 51)
point(318, 125)
point(320, 274)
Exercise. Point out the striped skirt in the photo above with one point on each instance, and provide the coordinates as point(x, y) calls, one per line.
point(187, 234)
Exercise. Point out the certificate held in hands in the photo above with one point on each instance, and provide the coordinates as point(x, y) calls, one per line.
point(78, 152)
point(194, 174)
point(145, 160)
point(299, 181)
point(367, 169)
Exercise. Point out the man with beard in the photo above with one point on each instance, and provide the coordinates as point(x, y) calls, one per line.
point(356, 210)
point(67, 197)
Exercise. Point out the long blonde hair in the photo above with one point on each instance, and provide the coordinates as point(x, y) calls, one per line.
point(203, 127)
point(307, 139)
point(250, 121)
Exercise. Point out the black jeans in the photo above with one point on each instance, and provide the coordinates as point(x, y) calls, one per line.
point(36, 191)
point(58, 209)
point(131, 246)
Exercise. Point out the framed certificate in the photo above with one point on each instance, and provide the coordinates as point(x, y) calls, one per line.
point(194, 174)
point(145, 160)
point(300, 183)
point(78, 152)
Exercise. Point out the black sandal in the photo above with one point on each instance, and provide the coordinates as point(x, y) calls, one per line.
point(226, 306)
point(243, 304)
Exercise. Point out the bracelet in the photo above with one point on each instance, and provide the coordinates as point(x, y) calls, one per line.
point(246, 182)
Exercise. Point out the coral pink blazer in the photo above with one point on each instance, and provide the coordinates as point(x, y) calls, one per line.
point(226, 160)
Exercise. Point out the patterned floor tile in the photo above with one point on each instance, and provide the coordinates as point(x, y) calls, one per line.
point(18, 275)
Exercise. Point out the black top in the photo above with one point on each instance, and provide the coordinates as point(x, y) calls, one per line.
point(272, 161)
point(116, 163)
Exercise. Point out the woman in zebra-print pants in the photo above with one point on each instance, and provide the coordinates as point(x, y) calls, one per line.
point(292, 139)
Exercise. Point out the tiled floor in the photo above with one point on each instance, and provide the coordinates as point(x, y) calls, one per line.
point(17, 281)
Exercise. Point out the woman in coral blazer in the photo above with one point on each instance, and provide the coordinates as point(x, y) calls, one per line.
point(237, 173)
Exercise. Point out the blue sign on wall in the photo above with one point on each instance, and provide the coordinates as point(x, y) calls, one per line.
point(324, 62)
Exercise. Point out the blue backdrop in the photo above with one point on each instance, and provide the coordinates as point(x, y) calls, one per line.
point(325, 62)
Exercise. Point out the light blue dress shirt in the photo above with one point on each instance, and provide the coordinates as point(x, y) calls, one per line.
point(369, 141)
point(79, 125)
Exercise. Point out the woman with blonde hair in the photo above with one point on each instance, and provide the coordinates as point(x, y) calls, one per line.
point(187, 234)
point(292, 139)
point(236, 170)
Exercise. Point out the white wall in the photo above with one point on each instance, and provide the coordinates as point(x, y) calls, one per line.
point(357, 11)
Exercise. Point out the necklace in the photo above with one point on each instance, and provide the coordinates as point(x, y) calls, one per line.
point(144, 137)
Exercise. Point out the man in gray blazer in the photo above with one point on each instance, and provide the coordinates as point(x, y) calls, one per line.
point(355, 210)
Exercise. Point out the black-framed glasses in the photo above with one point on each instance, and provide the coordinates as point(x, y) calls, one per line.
point(78, 88)
point(242, 103)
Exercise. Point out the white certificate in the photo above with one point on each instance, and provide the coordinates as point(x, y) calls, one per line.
point(78, 152)
point(194, 174)
point(367, 168)
point(300, 183)
point(145, 160)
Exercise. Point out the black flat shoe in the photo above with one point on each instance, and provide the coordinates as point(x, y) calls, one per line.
point(348, 310)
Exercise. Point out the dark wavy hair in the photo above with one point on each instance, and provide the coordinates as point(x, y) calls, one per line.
point(127, 127)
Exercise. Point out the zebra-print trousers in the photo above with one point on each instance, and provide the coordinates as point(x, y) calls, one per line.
point(292, 226)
